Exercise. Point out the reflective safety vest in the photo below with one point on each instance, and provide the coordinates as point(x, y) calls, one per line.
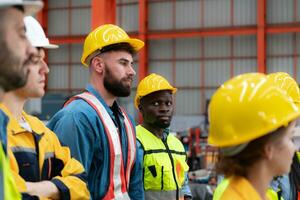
point(8, 189)
point(220, 189)
point(298, 158)
point(271, 194)
point(164, 161)
point(118, 178)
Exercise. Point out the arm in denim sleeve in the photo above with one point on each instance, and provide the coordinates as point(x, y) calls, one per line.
point(136, 186)
point(185, 187)
point(75, 131)
point(282, 183)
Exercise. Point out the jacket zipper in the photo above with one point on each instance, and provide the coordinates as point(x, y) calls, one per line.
point(173, 168)
point(38, 154)
point(162, 177)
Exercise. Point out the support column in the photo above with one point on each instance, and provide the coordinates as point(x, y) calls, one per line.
point(261, 36)
point(143, 54)
point(42, 16)
point(103, 12)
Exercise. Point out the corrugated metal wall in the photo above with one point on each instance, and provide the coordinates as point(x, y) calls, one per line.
point(66, 71)
point(283, 49)
point(129, 21)
point(197, 66)
point(283, 53)
point(279, 11)
point(67, 18)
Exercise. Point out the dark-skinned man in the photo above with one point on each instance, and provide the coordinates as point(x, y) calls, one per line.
point(162, 154)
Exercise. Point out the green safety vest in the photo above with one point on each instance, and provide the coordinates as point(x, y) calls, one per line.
point(164, 161)
point(220, 189)
point(298, 155)
point(8, 187)
point(271, 194)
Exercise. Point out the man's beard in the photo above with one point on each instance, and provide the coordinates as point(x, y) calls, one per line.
point(163, 124)
point(12, 76)
point(115, 86)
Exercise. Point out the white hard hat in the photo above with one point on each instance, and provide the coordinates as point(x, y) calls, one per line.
point(36, 34)
point(30, 6)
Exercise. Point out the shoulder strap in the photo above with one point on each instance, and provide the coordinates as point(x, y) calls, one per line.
point(119, 181)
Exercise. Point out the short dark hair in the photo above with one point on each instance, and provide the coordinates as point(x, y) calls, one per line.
point(253, 152)
point(21, 8)
point(124, 46)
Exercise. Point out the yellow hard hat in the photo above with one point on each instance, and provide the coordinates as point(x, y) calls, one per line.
point(247, 107)
point(287, 83)
point(106, 35)
point(150, 84)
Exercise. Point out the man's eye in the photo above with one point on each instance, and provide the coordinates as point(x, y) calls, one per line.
point(35, 59)
point(169, 103)
point(123, 63)
point(155, 103)
point(23, 35)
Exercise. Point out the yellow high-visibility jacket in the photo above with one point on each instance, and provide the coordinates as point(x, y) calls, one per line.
point(243, 185)
point(9, 189)
point(164, 164)
point(38, 155)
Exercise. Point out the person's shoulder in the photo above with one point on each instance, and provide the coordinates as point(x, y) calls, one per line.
point(3, 115)
point(36, 124)
point(78, 113)
point(33, 119)
point(175, 140)
point(77, 105)
point(173, 137)
point(40, 127)
point(240, 188)
point(76, 108)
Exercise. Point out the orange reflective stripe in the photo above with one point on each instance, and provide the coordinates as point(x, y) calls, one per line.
point(131, 154)
point(117, 185)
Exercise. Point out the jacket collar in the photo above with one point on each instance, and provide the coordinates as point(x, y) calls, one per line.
point(115, 105)
point(244, 188)
point(15, 128)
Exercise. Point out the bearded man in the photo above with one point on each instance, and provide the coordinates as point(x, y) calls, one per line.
point(99, 133)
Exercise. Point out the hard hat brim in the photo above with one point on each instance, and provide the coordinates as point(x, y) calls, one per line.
point(172, 89)
point(45, 45)
point(260, 133)
point(138, 98)
point(135, 43)
point(51, 46)
point(30, 7)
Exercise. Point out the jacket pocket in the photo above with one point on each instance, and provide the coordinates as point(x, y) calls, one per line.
point(28, 165)
point(152, 169)
point(181, 167)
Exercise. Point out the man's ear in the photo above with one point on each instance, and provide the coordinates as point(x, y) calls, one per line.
point(139, 107)
point(98, 64)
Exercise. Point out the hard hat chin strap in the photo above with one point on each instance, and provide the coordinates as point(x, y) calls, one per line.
point(93, 55)
point(234, 150)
